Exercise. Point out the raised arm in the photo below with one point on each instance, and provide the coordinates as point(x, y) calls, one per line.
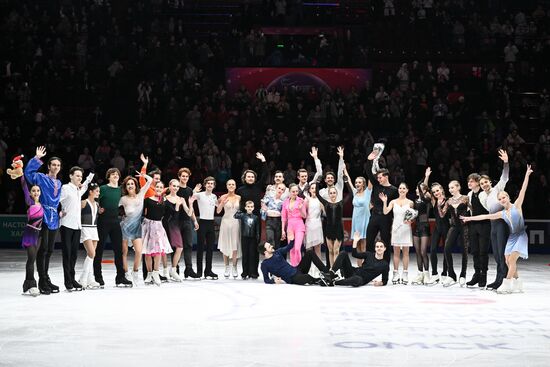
point(369, 173)
point(221, 203)
point(350, 185)
point(144, 188)
point(505, 171)
point(86, 183)
point(318, 165)
point(427, 176)
point(31, 170)
point(340, 174)
point(264, 171)
point(387, 207)
point(26, 192)
point(143, 170)
point(521, 196)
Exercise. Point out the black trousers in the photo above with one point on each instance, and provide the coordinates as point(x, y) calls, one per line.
point(273, 231)
point(480, 238)
point(45, 251)
point(379, 223)
point(457, 235)
point(302, 277)
point(31, 259)
point(250, 254)
point(351, 278)
point(70, 238)
point(205, 241)
point(186, 229)
point(499, 237)
point(440, 232)
point(108, 229)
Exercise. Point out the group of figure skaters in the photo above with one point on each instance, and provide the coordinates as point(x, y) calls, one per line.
point(157, 221)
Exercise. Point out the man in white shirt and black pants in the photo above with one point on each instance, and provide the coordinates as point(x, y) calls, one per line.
point(71, 195)
point(499, 228)
point(206, 236)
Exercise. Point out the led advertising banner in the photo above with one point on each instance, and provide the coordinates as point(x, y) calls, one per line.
point(320, 78)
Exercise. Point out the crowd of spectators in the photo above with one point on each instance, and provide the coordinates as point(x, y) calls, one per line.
point(100, 82)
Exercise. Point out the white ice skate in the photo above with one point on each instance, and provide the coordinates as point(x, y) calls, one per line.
point(395, 279)
point(419, 280)
point(174, 275)
point(405, 278)
point(156, 278)
point(149, 279)
point(517, 286)
point(505, 287)
point(449, 281)
point(431, 280)
point(34, 292)
point(235, 272)
point(226, 273)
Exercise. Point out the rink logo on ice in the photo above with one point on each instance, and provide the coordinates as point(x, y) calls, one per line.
point(448, 346)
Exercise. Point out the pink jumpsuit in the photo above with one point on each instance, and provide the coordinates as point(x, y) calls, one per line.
point(293, 221)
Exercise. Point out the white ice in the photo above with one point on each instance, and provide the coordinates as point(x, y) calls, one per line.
point(248, 323)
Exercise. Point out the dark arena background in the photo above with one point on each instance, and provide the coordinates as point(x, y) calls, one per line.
point(211, 106)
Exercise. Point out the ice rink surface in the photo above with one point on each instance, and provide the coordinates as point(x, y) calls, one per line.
point(248, 323)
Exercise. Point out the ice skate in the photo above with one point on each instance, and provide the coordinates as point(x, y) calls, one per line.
point(473, 282)
point(191, 275)
point(235, 272)
point(432, 280)
point(517, 285)
point(211, 275)
point(449, 281)
point(123, 282)
point(30, 288)
point(482, 280)
point(419, 279)
point(100, 281)
point(156, 278)
point(505, 287)
point(462, 281)
point(149, 279)
point(226, 272)
point(405, 278)
point(53, 287)
point(92, 284)
point(43, 287)
point(77, 286)
point(395, 279)
point(174, 275)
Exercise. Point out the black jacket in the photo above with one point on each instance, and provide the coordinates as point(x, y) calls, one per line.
point(250, 225)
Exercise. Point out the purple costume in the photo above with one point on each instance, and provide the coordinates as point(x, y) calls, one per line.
point(34, 219)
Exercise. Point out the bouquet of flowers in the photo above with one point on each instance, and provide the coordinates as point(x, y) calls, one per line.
point(411, 214)
point(378, 148)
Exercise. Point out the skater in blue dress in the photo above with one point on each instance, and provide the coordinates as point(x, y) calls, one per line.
point(361, 191)
point(516, 246)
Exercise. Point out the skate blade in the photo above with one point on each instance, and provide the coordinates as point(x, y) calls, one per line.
point(27, 294)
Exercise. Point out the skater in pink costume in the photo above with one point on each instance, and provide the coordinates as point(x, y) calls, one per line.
point(292, 220)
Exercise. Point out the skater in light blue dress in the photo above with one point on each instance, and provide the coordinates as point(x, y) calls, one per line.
point(516, 246)
point(361, 209)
